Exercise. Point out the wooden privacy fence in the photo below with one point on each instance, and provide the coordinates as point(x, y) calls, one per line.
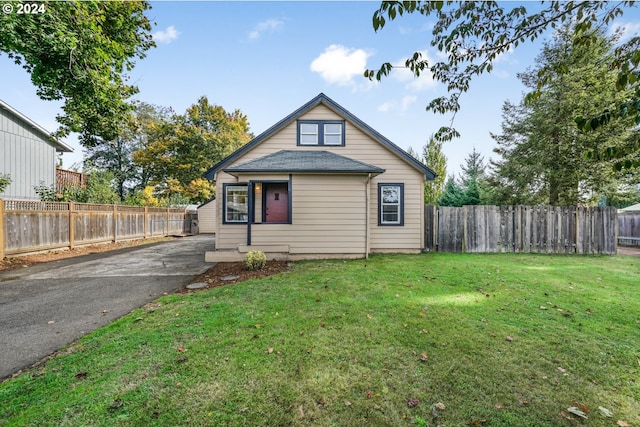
point(529, 229)
point(29, 226)
point(629, 228)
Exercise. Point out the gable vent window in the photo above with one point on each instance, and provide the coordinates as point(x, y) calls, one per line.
point(321, 132)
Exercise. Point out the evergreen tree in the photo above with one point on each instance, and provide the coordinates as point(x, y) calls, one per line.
point(542, 153)
point(435, 159)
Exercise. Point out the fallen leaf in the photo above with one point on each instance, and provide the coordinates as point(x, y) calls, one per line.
point(440, 406)
point(182, 359)
point(244, 409)
point(584, 408)
point(576, 411)
point(322, 325)
point(180, 349)
point(498, 406)
point(492, 335)
point(413, 402)
point(269, 350)
point(347, 403)
point(368, 316)
point(605, 412)
point(81, 375)
point(51, 322)
point(509, 338)
point(622, 423)
point(542, 307)
point(301, 333)
point(368, 395)
point(477, 422)
point(424, 357)
point(562, 370)
point(421, 314)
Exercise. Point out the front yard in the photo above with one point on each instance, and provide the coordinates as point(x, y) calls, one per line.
point(433, 339)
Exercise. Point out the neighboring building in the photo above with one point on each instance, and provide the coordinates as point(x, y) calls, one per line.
point(318, 184)
point(632, 208)
point(207, 217)
point(27, 154)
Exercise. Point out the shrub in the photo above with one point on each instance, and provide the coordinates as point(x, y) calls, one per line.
point(255, 260)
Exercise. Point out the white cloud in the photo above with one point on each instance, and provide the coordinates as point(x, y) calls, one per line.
point(166, 36)
point(627, 30)
point(402, 105)
point(268, 26)
point(339, 64)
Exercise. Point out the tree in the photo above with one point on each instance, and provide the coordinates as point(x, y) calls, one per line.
point(453, 195)
point(436, 160)
point(181, 148)
point(79, 52)
point(542, 152)
point(117, 155)
point(5, 180)
point(473, 35)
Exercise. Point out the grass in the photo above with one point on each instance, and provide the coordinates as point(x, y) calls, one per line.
point(499, 340)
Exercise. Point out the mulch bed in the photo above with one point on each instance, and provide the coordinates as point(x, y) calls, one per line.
point(213, 276)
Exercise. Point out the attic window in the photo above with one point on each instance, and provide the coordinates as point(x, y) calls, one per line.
point(321, 132)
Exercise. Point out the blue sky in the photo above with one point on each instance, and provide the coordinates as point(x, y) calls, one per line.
point(268, 58)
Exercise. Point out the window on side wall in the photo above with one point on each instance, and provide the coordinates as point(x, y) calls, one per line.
point(321, 132)
point(236, 203)
point(391, 204)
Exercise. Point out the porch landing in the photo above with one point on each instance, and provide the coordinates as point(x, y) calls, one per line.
point(273, 253)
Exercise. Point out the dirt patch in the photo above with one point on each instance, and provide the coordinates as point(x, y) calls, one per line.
point(228, 273)
point(22, 261)
point(629, 250)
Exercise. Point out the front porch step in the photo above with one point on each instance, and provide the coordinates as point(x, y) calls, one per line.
point(273, 252)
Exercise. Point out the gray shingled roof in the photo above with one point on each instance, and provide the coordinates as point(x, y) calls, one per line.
point(304, 161)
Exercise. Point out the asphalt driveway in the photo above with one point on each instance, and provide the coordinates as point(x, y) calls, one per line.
point(47, 306)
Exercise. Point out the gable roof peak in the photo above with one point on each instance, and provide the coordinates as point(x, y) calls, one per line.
point(338, 109)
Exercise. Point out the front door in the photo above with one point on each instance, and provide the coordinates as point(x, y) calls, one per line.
point(276, 202)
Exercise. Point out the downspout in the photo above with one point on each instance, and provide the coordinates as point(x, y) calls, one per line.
point(250, 210)
point(368, 210)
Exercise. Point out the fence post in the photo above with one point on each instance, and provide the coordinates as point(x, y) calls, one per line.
point(115, 223)
point(1, 229)
point(72, 225)
point(146, 222)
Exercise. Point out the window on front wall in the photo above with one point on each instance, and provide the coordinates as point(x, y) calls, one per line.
point(390, 204)
point(321, 132)
point(236, 203)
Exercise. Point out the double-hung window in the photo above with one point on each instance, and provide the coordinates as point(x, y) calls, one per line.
point(236, 203)
point(390, 204)
point(321, 132)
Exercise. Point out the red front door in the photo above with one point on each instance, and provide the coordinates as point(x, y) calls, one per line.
point(276, 202)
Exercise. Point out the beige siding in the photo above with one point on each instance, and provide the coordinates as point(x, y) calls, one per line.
point(329, 212)
point(319, 202)
point(207, 217)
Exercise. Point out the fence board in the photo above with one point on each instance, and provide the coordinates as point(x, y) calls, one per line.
point(29, 226)
point(629, 227)
point(526, 229)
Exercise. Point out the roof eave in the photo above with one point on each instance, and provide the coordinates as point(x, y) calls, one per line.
point(236, 172)
point(60, 146)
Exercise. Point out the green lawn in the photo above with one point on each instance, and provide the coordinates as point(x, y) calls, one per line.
point(433, 339)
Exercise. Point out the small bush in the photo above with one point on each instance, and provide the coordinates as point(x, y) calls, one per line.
point(255, 260)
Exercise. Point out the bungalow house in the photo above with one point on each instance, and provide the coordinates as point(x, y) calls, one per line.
point(27, 154)
point(320, 183)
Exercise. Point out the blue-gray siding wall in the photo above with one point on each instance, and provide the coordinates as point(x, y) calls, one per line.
point(26, 156)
